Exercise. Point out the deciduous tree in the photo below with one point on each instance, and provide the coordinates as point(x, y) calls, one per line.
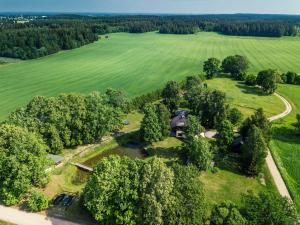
point(211, 67)
point(23, 161)
point(267, 79)
point(171, 95)
point(198, 151)
point(226, 213)
point(236, 65)
point(268, 209)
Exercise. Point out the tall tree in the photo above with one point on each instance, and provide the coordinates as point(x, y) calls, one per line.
point(254, 152)
point(192, 81)
point(117, 99)
point(259, 120)
point(209, 106)
point(226, 213)
point(193, 127)
point(111, 193)
point(189, 206)
point(268, 209)
point(236, 65)
point(198, 151)
point(23, 161)
point(267, 79)
point(156, 186)
point(150, 127)
point(225, 135)
point(171, 95)
point(211, 67)
point(291, 77)
point(235, 116)
point(164, 116)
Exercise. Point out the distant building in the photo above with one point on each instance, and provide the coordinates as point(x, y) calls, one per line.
point(178, 122)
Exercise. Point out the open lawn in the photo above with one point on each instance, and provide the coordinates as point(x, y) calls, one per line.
point(247, 99)
point(136, 63)
point(285, 145)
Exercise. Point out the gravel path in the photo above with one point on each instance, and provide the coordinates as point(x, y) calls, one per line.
point(279, 182)
point(16, 216)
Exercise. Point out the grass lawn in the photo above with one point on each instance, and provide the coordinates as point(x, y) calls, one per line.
point(247, 99)
point(285, 145)
point(228, 183)
point(136, 63)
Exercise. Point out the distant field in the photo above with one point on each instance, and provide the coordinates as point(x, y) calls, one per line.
point(136, 63)
point(286, 143)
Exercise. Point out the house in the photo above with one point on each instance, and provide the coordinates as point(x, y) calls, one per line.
point(178, 122)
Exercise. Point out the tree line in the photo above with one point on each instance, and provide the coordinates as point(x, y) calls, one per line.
point(69, 120)
point(43, 36)
point(31, 43)
point(126, 191)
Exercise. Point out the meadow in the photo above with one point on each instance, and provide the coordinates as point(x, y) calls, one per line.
point(285, 145)
point(136, 63)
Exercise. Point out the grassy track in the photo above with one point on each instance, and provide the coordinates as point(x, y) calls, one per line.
point(285, 145)
point(136, 63)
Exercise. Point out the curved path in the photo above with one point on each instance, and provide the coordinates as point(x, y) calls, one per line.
point(17, 216)
point(279, 182)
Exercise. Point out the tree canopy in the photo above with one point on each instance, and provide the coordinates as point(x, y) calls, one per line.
point(236, 65)
point(23, 161)
point(198, 152)
point(171, 95)
point(254, 151)
point(211, 67)
point(267, 79)
point(69, 119)
point(268, 209)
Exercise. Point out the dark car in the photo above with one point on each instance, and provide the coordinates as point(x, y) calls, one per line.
point(59, 199)
point(68, 200)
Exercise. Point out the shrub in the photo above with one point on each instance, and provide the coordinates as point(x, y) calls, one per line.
point(37, 202)
point(250, 80)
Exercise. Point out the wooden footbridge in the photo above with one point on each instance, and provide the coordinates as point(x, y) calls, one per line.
point(83, 167)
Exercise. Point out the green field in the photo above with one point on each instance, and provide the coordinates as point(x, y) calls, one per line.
point(286, 143)
point(136, 63)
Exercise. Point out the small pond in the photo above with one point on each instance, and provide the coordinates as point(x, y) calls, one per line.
point(130, 150)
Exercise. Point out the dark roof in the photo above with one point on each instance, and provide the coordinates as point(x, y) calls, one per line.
point(178, 121)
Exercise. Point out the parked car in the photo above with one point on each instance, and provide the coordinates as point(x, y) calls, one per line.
point(68, 200)
point(59, 199)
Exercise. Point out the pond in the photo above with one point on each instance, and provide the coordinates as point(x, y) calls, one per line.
point(130, 150)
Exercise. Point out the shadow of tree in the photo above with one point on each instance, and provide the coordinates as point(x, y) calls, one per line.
point(286, 134)
point(250, 89)
point(230, 161)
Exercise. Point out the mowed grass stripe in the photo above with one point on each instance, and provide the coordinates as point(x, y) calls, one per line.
point(135, 63)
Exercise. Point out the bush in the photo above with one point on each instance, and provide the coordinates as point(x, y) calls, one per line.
point(235, 116)
point(37, 202)
point(250, 80)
